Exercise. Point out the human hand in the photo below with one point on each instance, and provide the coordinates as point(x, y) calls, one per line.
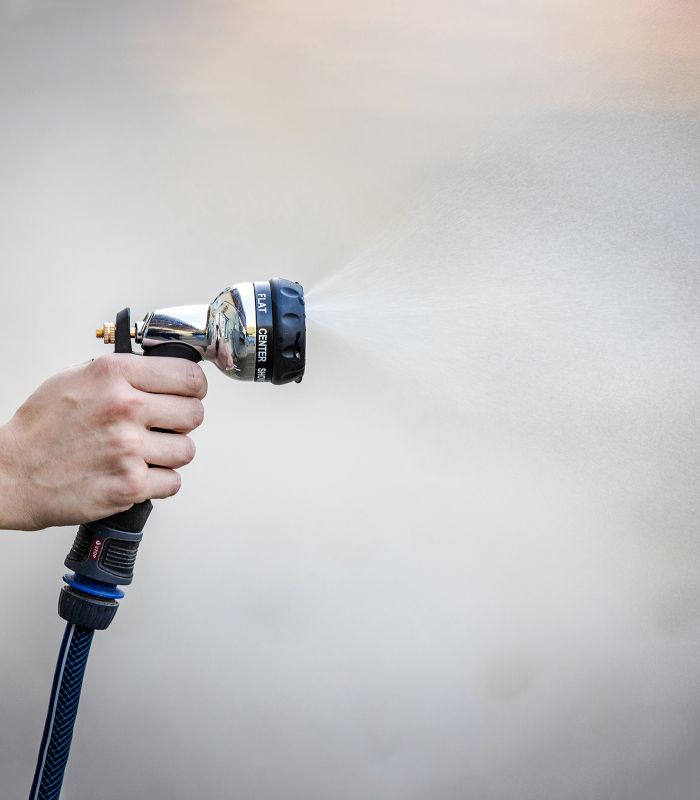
point(78, 449)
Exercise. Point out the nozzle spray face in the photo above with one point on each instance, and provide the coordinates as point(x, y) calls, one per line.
point(252, 331)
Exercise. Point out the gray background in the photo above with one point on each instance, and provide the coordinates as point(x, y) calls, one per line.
point(489, 584)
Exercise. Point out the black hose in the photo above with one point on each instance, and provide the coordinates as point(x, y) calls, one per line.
point(63, 707)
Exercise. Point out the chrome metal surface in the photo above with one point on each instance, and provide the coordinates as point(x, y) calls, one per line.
point(223, 332)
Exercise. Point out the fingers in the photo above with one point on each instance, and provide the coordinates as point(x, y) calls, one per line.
point(179, 414)
point(162, 483)
point(132, 396)
point(171, 450)
point(162, 375)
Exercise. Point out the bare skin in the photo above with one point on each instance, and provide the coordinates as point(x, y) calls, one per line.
point(79, 448)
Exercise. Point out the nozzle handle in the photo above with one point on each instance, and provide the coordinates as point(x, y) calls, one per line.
point(104, 552)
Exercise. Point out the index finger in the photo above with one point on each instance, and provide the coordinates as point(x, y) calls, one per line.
point(165, 375)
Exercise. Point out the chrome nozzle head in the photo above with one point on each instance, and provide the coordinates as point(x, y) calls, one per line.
point(253, 331)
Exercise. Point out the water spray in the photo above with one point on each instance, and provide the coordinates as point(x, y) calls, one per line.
point(253, 331)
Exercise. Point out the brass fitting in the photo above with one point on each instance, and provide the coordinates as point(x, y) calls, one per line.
point(108, 332)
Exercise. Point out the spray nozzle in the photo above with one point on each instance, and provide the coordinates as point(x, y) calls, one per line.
point(254, 331)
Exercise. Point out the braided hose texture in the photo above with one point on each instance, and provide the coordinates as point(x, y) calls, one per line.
point(63, 708)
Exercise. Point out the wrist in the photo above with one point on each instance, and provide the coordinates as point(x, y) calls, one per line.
point(11, 505)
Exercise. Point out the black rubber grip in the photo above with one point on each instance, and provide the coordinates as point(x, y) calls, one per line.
point(289, 324)
point(104, 554)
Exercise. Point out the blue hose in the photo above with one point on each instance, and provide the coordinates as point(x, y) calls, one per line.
point(63, 707)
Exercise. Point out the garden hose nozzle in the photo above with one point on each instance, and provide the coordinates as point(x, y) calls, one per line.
point(252, 331)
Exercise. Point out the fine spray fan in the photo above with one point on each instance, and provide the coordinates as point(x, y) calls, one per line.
point(253, 331)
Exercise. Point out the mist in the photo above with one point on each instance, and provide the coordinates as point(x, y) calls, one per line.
point(460, 559)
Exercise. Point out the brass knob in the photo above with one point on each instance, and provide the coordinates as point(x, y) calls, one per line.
point(108, 332)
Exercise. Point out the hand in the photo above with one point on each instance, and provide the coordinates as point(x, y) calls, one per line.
point(79, 448)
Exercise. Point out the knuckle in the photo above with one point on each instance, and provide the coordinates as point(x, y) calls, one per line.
point(127, 443)
point(196, 380)
point(108, 368)
point(122, 404)
point(104, 366)
point(131, 486)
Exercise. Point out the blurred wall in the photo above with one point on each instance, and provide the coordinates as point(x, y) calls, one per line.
point(489, 587)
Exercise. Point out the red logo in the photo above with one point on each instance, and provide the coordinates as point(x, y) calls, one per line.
point(96, 546)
